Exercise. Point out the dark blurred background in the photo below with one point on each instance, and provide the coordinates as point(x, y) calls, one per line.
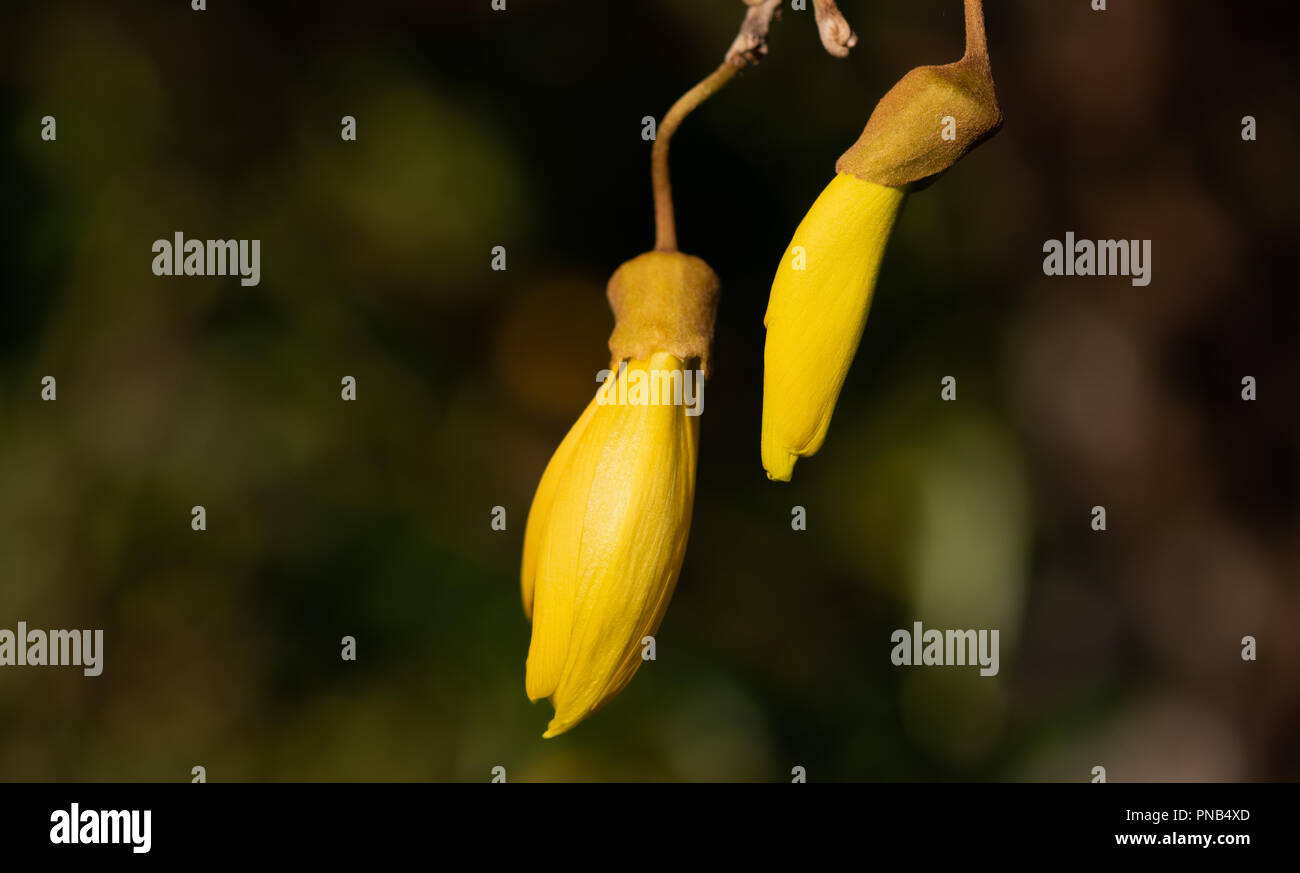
point(523, 129)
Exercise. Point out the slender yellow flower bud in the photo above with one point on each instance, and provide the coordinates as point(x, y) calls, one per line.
point(822, 291)
point(819, 304)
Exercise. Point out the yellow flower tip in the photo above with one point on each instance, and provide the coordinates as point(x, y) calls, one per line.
point(781, 470)
point(555, 728)
point(778, 459)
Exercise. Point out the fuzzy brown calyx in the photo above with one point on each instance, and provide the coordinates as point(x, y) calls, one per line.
point(663, 301)
point(931, 118)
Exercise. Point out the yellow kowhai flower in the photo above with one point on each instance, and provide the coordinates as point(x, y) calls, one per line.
point(819, 304)
point(607, 531)
point(823, 289)
point(604, 545)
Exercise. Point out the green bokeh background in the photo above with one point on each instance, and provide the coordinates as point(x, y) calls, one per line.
point(523, 129)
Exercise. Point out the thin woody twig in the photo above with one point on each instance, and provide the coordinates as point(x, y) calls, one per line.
point(665, 222)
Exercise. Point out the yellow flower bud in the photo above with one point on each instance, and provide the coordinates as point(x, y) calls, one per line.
point(822, 291)
point(605, 540)
point(607, 531)
point(815, 315)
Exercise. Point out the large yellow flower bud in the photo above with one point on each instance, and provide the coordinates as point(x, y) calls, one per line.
point(607, 531)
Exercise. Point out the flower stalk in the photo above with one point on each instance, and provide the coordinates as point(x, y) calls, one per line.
point(665, 220)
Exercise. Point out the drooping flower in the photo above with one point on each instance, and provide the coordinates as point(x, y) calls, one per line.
point(606, 539)
point(819, 304)
point(823, 289)
point(607, 531)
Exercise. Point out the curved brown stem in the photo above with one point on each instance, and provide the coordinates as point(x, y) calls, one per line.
point(665, 222)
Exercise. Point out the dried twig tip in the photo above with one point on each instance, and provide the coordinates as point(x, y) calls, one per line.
point(836, 34)
point(751, 43)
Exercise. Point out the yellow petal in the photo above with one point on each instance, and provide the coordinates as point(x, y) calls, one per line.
point(609, 554)
point(816, 314)
point(539, 513)
point(650, 621)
